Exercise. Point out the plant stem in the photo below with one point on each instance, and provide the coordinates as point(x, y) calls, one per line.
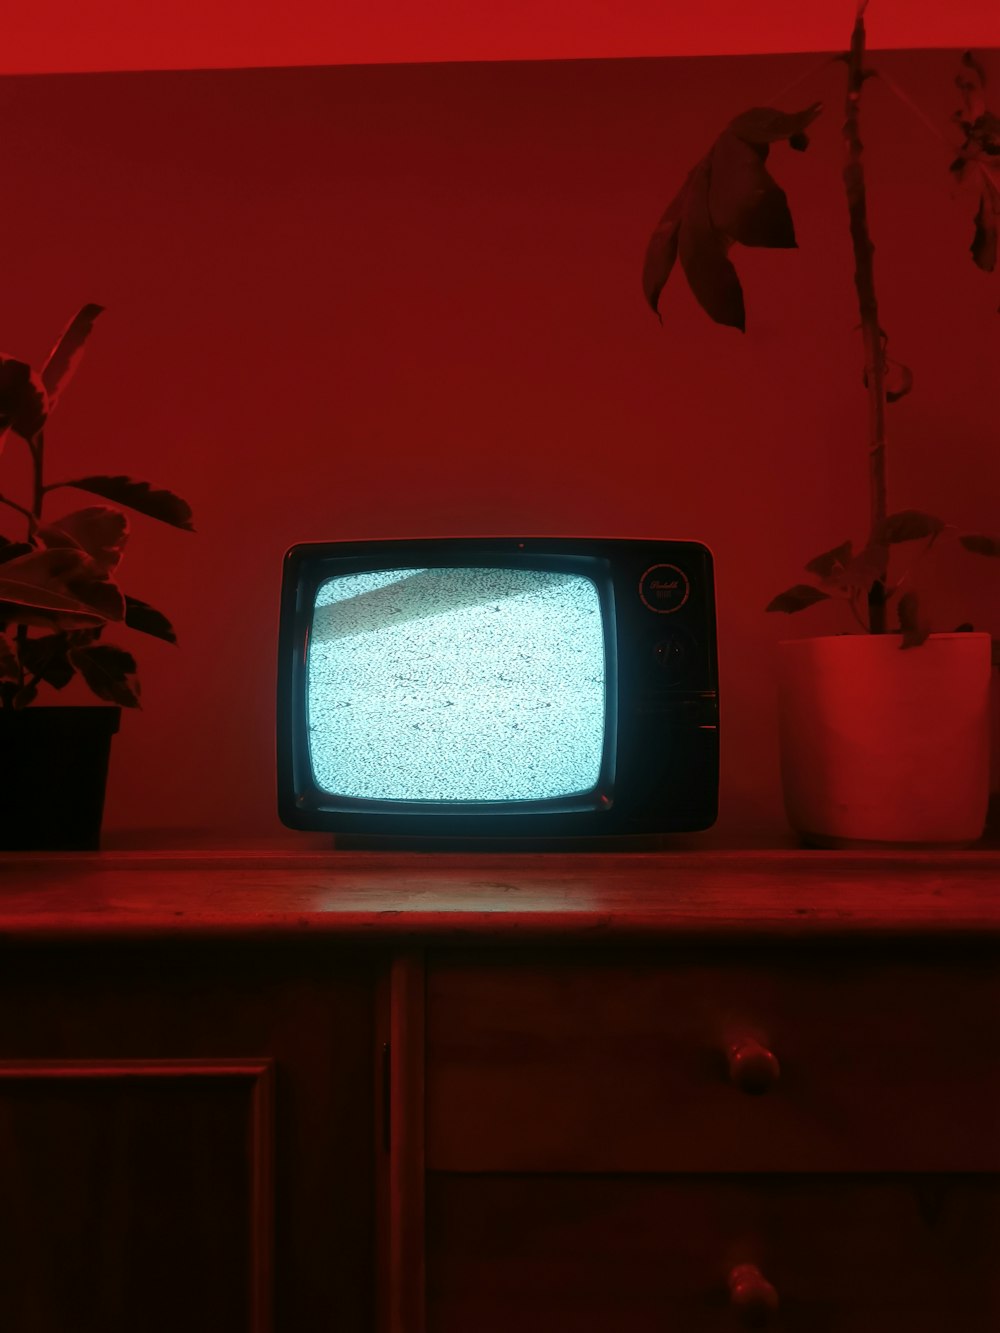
point(864, 280)
point(12, 504)
point(38, 461)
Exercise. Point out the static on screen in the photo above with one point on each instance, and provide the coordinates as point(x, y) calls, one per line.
point(456, 685)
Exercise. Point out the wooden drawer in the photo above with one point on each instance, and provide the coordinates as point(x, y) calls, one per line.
point(888, 1061)
point(865, 1254)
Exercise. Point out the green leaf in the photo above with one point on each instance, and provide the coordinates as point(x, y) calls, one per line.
point(64, 358)
point(11, 550)
point(862, 570)
point(109, 671)
point(908, 525)
point(744, 201)
point(26, 695)
point(8, 660)
point(766, 125)
point(58, 589)
point(914, 627)
point(137, 495)
point(830, 562)
point(981, 545)
point(47, 657)
point(704, 256)
point(143, 617)
point(99, 531)
point(23, 404)
point(797, 598)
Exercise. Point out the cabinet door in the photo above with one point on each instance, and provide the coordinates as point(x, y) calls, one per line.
point(851, 1254)
point(186, 1139)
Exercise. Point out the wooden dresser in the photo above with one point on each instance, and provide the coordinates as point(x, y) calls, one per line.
point(671, 1092)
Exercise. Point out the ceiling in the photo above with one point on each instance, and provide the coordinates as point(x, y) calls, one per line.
point(42, 36)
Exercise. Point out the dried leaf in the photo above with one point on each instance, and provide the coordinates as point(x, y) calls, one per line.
point(908, 525)
point(662, 250)
point(981, 545)
point(971, 84)
point(64, 358)
point(137, 495)
point(898, 381)
point(979, 160)
point(914, 627)
point(830, 562)
point(23, 403)
point(728, 196)
point(765, 125)
point(797, 598)
point(110, 672)
point(744, 201)
point(984, 240)
point(99, 530)
point(143, 617)
point(704, 256)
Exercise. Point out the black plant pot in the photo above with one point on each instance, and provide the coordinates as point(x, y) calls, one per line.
point(53, 773)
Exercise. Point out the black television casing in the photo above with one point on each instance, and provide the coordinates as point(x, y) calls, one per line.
point(660, 770)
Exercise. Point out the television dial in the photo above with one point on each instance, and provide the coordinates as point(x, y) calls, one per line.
point(675, 653)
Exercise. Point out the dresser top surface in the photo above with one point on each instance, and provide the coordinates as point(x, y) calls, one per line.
point(582, 897)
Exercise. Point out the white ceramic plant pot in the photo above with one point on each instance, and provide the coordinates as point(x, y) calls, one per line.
point(882, 744)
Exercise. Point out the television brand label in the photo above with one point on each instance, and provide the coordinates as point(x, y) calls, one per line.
point(664, 589)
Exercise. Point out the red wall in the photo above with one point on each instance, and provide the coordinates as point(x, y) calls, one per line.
point(62, 35)
point(369, 302)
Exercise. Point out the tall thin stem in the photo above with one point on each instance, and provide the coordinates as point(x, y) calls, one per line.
point(864, 280)
point(38, 474)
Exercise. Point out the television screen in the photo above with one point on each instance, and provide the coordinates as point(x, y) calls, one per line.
point(497, 687)
point(456, 685)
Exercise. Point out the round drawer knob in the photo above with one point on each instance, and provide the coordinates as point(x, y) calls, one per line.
point(752, 1067)
point(752, 1296)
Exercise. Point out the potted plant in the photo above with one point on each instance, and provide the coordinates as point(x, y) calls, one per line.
point(884, 735)
point(58, 594)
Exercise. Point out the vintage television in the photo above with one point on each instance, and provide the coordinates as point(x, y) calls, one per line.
point(509, 689)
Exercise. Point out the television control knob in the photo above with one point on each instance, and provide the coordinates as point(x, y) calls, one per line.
point(752, 1297)
point(670, 653)
point(752, 1067)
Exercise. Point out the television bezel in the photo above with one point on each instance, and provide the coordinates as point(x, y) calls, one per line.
point(303, 805)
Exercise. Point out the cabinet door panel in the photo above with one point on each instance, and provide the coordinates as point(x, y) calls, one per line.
point(583, 1062)
point(594, 1254)
point(136, 1170)
point(136, 1196)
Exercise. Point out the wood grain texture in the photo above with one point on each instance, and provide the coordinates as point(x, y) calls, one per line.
point(137, 1193)
point(437, 897)
point(406, 1145)
point(305, 1011)
point(890, 1254)
point(612, 1061)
